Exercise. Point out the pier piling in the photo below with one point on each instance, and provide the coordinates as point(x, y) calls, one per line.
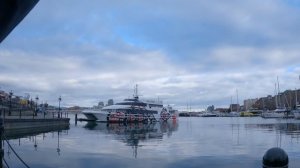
point(1, 137)
point(76, 119)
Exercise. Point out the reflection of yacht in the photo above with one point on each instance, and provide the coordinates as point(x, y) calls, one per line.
point(134, 133)
point(145, 131)
point(132, 110)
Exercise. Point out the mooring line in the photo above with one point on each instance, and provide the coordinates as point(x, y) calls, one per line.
point(5, 163)
point(15, 151)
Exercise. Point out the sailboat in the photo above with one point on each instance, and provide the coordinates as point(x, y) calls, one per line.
point(235, 113)
point(296, 111)
point(280, 110)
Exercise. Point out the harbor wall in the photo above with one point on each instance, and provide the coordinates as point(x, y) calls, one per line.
point(33, 123)
point(24, 132)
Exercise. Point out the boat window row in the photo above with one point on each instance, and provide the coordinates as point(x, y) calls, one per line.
point(133, 111)
point(132, 103)
point(155, 105)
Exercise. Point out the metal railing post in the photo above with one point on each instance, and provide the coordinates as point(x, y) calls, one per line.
point(1, 148)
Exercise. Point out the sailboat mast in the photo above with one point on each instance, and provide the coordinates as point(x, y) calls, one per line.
point(231, 105)
point(276, 96)
point(296, 96)
point(263, 104)
point(237, 101)
point(279, 99)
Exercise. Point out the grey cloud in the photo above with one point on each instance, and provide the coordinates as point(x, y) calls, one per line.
point(181, 51)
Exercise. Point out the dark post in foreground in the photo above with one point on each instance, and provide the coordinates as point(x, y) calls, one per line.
point(275, 157)
point(1, 149)
point(76, 119)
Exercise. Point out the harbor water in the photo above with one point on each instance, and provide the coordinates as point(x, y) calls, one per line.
point(225, 142)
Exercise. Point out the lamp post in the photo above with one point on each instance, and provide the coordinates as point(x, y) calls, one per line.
point(59, 100)
point(36, 106)
point(10, 96)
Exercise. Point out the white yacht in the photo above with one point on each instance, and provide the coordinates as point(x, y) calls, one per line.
point(277, 113)
point(296, 112)
point(132, 110)
point(208, 114)
point(233, 114)
point(280, 111)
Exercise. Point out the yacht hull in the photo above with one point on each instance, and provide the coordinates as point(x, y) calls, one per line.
point(117, 117)
point(273, 115)
point(296, 114)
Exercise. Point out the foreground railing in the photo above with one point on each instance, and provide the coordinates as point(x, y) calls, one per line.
point(30, 114)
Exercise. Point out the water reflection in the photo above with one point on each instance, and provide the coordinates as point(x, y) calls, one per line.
point(58, 148)
point(33, 136)
point(285, 128)
point(200, 142)
point(20, 133)
point(35, 144)
point(282, 130)
point(133, 133)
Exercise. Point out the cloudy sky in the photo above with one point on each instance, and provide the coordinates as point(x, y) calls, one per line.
point(183, 51)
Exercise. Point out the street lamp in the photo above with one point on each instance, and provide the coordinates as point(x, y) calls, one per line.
point(59, 100)
point(10, 96)
point(36, 106)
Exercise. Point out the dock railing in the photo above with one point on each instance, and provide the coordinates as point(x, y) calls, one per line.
point(30, 114)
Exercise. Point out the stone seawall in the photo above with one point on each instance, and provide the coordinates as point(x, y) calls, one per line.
point(14, 128)
point(34, 123)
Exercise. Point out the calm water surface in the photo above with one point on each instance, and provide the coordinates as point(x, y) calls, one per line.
point(189, 142)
